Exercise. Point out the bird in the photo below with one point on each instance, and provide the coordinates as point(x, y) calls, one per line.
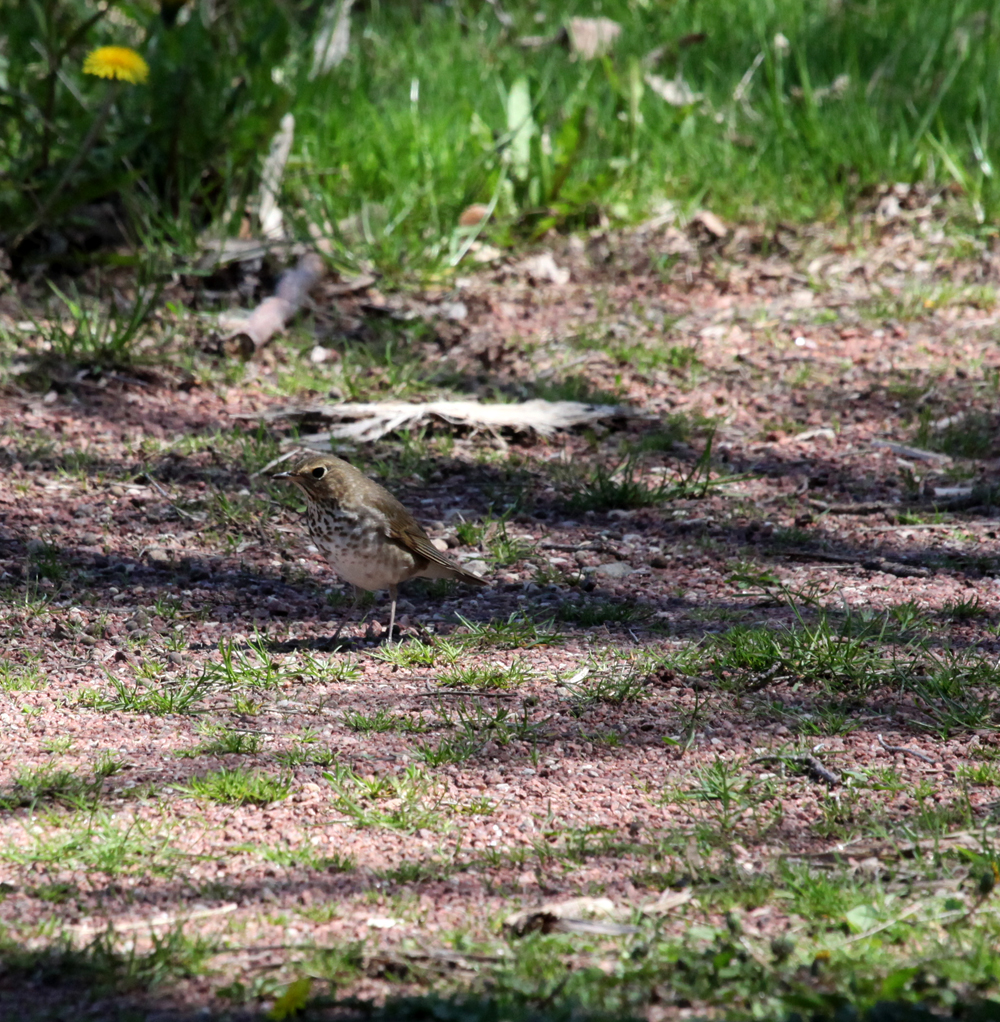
point(368, 537)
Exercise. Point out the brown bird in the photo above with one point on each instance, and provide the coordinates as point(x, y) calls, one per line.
point(371, 540)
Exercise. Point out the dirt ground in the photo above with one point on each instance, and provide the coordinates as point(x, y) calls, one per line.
point(818, 354)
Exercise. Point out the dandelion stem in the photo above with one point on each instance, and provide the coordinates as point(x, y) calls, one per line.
point(74, 164)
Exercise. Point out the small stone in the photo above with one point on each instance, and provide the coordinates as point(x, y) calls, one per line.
point(440, 544)
point(477, 567)
point(158, 556)
point(175, 658)
point(659, 561)
point(87, 640)
point(35, 546)
point(455, 311)
point(614, 569)
point(90, 539)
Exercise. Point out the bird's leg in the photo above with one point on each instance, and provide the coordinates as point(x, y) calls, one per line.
point(347, 613)
point(393, 593)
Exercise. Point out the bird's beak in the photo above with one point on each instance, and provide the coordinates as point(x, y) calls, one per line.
point(285, 475)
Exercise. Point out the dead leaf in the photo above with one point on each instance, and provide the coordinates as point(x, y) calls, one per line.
point(473, 215)
point(592, 37)
point(543, 268)
point(577, 915)
point(711, 223)
point(668, 901)
point(674, 91)
point(351, 285)
point(219, 252)
point(536, 42)
point(484, 253)
point(270, 216)
point(333, 40)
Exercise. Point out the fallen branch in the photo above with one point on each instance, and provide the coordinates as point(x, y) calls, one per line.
point(371, 421)
point(914, 453)
point(87, 931)
point(907, 751)
point(270, 317)
point(872, 508)
point(810, 764)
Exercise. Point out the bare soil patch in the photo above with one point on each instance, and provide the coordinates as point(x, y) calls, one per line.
point(164, 620)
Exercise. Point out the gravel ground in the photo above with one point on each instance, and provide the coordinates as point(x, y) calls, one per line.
point(122, 566)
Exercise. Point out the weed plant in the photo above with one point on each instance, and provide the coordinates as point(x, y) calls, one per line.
point(239, 787)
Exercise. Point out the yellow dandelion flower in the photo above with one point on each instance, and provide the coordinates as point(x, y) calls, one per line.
point(117, 62)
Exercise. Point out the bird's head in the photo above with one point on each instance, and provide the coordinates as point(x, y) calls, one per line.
point(315, 476)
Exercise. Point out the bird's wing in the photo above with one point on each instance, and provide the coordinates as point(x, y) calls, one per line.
point(417, 541)
point(413, 537)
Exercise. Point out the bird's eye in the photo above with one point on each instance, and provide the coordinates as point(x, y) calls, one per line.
point(318, 472)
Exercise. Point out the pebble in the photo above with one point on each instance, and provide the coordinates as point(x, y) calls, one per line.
point(614, 569)
point(157, 555)
point(478, 567)
point(90, 539)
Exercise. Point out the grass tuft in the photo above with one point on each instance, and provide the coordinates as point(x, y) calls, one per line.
point(239, 787)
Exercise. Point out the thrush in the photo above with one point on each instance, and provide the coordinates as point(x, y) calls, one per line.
point(368, 537)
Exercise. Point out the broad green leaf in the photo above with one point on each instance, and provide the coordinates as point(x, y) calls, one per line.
point(293, 1000)
point(863, 917)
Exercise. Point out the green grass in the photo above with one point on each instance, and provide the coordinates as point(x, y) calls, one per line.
point(614, 677)
point(627, 484)
point(253, 667)
point(58, 786)
point(93, 333)
point(147, 695)
point(308, 857)
point(110, 962)
point(517, 632)
point(588, 612)
point(419, 653)
point(822, 119)
point(972, 435)
point(19, 677)
point(96, 842)
point(381, 721)
point(797, 111)
point(239, 787)
point(474, 725)
point(227, 741)
point(486, 676)
point(404, 802)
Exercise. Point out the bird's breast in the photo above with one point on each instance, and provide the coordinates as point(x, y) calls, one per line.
point(359, 550)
